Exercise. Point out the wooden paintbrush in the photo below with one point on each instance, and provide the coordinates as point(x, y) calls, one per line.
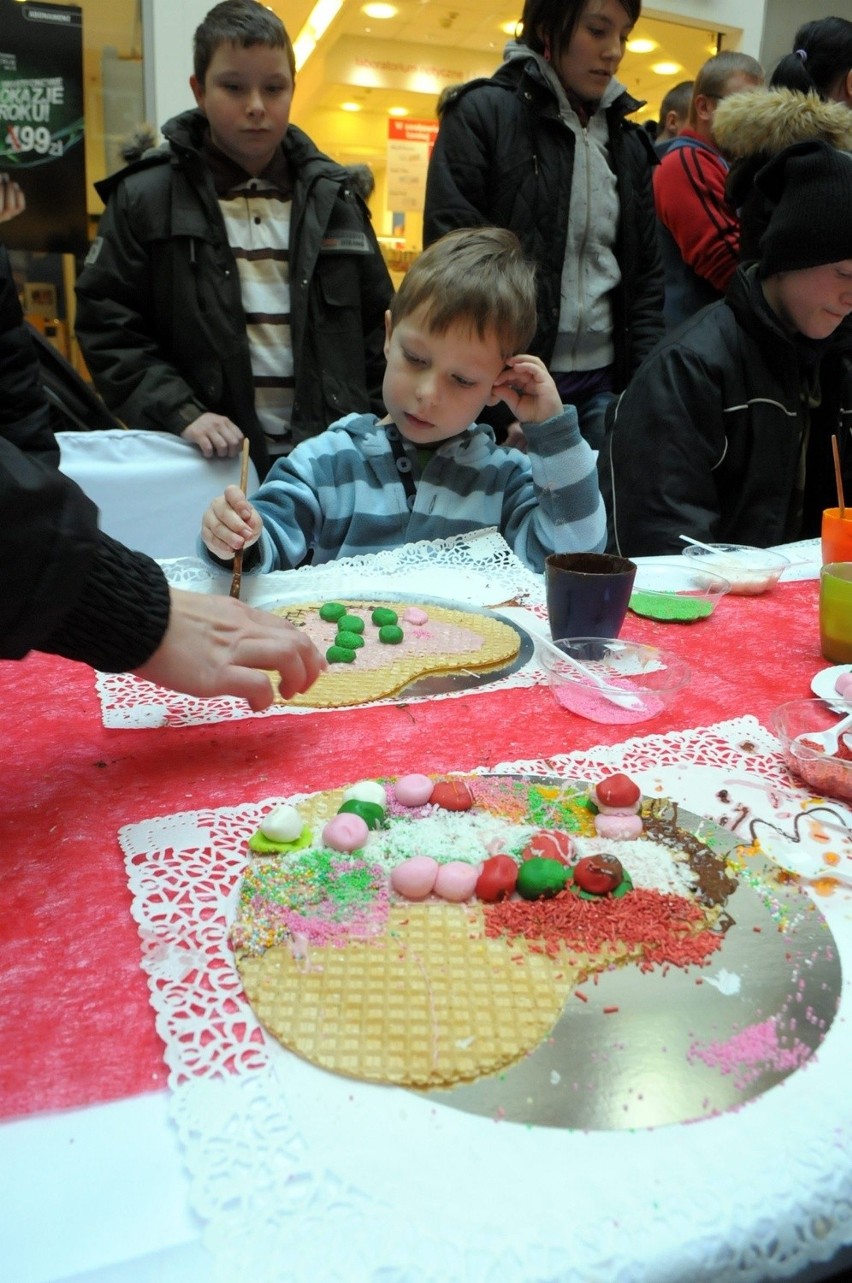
point(238, 556)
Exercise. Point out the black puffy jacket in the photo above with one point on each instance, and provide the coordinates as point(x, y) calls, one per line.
point(160, 318)
point(504, 157)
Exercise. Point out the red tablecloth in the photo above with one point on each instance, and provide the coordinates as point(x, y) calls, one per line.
point(75, 1024)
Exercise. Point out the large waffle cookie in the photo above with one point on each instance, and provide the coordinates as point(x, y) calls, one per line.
point(447, 641)
point(429, 1003)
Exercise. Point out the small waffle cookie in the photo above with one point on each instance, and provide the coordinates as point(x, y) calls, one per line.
point(448, 640)
point(429, 1003)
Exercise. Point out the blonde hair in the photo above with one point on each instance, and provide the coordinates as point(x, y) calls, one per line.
point(477, 275)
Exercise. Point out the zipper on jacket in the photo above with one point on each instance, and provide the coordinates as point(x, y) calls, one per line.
point(193, 264)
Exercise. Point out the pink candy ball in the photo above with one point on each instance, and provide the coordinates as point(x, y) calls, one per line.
point(415, 878)
point(456, 880)
point(618, 827)
point(346, 832)
point(413, 790)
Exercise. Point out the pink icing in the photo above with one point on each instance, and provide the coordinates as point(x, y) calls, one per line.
point(618, 826)
point(456, 880)
point(415, 878)
point(413, 790)
point(346, 832)
point(414, 615)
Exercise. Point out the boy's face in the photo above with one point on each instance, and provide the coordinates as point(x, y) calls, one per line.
point(246, 98)
point(812, 301)
point(435, 385)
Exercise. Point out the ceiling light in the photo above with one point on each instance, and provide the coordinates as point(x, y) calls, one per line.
point(380, 11)
point(666, 68)
point(397, 111)
point(641, 46)
point(318, 21)
point(350, 106)
point(509, 28)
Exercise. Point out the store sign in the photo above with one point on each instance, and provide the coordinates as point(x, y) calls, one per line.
point(41, 125)
point(410, 144)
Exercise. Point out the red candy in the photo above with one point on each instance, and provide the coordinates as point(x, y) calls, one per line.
point(598, 874)
point(452, 795)
point(548, 844)
point(497, 879)
point(617, 790)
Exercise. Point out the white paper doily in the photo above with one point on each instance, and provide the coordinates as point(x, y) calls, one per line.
point(302, 1175)
point(477, 570)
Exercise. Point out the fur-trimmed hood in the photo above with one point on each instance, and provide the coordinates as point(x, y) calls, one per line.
point(765, 121)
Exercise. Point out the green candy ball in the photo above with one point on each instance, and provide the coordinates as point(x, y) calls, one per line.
point(371, 813)
point(349, 641)
point(350, 624)
point(339, 655)
point(391, 634)
point(384, 615)
point(539, 878)
point(332, 611)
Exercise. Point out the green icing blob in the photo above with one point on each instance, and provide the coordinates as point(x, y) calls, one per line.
point(371, 813)
point(670, 606)
point(262, 845)
point(350, 624)
point(349, 641)
point(339, 655)
point(383, 615)
point(391, 634)
point(332, 611)
point(540, 879)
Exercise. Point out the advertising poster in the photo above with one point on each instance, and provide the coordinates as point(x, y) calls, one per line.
point(41, 124)
point(410, 144)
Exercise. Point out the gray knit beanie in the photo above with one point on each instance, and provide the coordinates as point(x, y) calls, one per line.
point(810, 185)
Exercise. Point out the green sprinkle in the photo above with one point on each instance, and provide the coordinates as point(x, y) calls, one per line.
point(332, 611)
point(383, 615)
point(349, 641)
point(339, 655)
point(350, 624)
point(390, 634)
point(670, 606)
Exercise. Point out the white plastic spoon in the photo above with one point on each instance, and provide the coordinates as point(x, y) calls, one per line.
point(716, 552)
point(828, 740)
point(613, 693)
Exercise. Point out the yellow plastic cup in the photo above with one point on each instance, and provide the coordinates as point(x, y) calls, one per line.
point(835, 612)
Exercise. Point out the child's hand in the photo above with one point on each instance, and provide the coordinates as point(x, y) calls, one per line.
point(528, 390)
point(230, 523)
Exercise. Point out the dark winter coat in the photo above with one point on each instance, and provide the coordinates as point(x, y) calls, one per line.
point(159, 313)
point(706, 439)
point(503, 157)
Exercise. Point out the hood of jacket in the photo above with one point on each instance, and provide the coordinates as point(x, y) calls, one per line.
point(539, 69)
point(765, 121)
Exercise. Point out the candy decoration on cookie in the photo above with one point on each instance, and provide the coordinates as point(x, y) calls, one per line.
point(340, 655)
point(550, 844)
point(345, 833)
point(540, 879)
point(414, 615)
point(391, 634)
point(332, 611)
point(414, 878)
point(413, 790)
point(497, 879)
point(452, 795)
point(456, 880)
point(348, 640)
point(598, 874)
point(384, 615)
point(350, 624)
point(371, 813)
point(618, 801)
point(282, 830)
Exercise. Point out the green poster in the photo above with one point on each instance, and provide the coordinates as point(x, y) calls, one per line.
point(41, 124)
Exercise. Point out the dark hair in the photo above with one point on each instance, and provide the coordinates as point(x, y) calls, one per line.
point(822, 54)
point(677, 100)
point(551, 23)
point(477, 276)
point(238, 22)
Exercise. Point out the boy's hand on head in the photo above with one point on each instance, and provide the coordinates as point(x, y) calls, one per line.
point(214, 434)
point(230, 523)
point(528, 389)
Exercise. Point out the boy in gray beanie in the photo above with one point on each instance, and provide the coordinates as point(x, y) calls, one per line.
point(724, 433)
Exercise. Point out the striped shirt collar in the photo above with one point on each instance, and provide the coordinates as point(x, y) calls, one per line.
point(229, 176)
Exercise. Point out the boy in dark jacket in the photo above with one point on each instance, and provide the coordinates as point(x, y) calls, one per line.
point(236, 286)
point(725, 432)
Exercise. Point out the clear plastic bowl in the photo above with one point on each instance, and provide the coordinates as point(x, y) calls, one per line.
point(829, 776)
point(645, 679)
point(749, 571)
point(676, 592)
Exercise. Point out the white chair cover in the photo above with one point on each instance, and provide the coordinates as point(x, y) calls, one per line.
point(151, 487)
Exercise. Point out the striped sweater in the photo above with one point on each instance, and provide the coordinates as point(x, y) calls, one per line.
point(341, 494)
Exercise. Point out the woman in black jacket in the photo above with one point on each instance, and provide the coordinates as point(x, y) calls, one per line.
point(544, 147)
